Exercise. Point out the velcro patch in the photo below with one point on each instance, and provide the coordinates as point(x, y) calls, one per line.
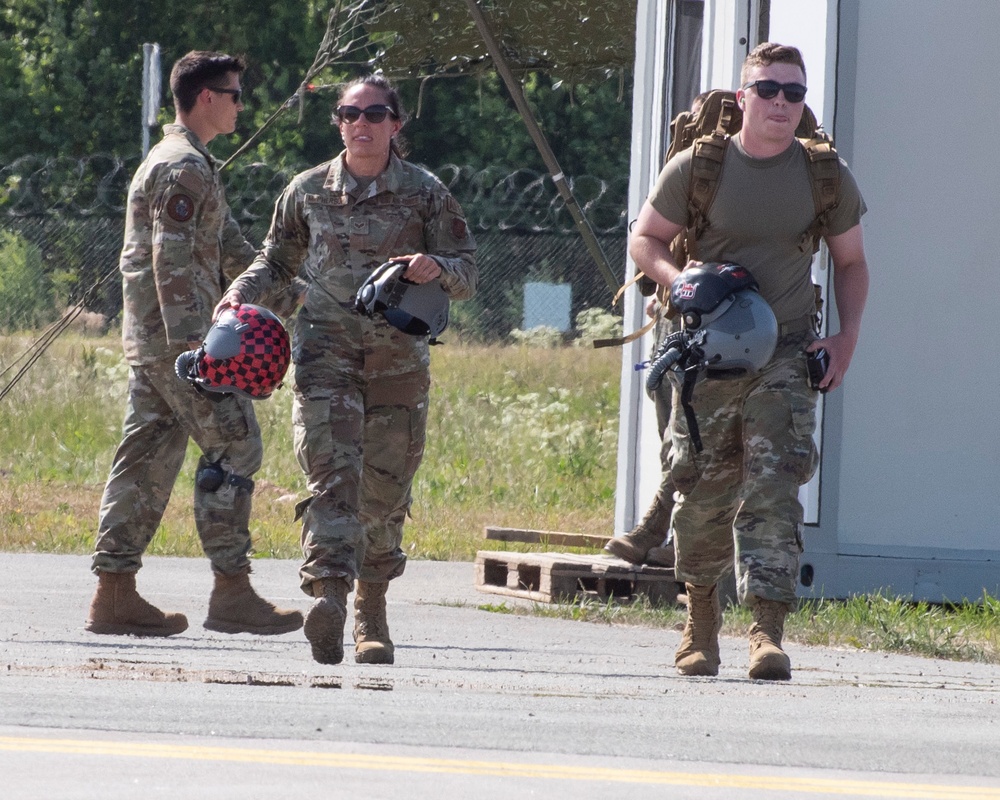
point(180, 207)
point(458, 228)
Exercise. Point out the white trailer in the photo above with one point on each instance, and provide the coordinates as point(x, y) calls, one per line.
point(906, 495)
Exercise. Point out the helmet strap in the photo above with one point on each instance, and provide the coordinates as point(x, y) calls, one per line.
point(687, 393)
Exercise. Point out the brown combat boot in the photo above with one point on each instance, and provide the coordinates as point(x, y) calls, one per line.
point(651, 531)
point(768, 662)
point(372, 644)
point(698, 653)
point(234, 607)
point(117, 608)
point(325, 620)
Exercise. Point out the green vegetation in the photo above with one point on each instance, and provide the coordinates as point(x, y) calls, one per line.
point(959, 632)
point(520, 437)
point(25, 288)
point(517, 437)
point(81, 63)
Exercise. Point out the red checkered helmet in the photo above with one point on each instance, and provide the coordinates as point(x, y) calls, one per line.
point(246, 351)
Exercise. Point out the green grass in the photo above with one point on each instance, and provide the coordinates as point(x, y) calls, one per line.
point(518, 437)
point(963, 632)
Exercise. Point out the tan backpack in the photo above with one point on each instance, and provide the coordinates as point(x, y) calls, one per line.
point(708, 132)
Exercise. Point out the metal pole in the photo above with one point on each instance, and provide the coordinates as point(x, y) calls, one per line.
point(151, 82)
point(514, 87)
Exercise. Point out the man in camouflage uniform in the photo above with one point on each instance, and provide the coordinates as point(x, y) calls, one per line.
point(646, 542)
point(738, 498)
point(361, 385)
point(180, 241)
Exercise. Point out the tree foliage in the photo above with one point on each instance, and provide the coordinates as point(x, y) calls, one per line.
point(27, 291)
point(72, 69)
point(70, 74)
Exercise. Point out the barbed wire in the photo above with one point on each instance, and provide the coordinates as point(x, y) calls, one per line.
point(92, 185)
point(493, 198)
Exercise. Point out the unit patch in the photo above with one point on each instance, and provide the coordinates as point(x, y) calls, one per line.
point(458, 228)
point(180, 207)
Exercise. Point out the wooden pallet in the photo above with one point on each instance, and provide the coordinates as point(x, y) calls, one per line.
point(656, 557)
point(555, 577)
point(548, 538)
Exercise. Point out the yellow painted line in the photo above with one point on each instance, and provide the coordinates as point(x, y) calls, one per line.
point(378, 763)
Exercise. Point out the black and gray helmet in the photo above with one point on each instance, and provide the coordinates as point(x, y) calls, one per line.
point(734, 328)
point(419, 309)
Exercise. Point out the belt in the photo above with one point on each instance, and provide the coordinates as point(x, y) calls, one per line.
point(799, 325)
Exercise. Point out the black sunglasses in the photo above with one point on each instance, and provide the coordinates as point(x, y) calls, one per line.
point(794, 92)
point(374, 114)
point(236, 93)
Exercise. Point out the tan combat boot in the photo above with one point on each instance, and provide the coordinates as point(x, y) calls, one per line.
point(325, 620)
point(117, 608)
point(651, 531)
point(768, 662)
point(234, 607)
point(372, 644)
point(698, 653)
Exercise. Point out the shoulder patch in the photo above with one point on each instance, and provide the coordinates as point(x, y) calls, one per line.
point(180, 207)
point(193, 175)
point(458, 228)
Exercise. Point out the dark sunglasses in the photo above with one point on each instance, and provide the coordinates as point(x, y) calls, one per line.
point(374, 114)
point(794, 92)
point(236, 93)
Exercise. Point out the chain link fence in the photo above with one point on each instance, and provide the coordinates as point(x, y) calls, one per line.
point(62, 221)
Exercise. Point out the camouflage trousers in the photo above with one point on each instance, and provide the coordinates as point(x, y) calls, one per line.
point(162, 413)
point(738, 498)
point(359, 438)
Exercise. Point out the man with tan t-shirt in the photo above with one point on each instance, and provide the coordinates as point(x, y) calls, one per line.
point(738, 498)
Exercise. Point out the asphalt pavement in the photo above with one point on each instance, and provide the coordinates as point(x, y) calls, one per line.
point(479, 702)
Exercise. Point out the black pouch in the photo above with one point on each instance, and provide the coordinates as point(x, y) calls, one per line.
point(817, 363)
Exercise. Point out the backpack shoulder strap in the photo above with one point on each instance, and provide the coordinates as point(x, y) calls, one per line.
point(707, 133)
point(824, 175)
point(707, 154)
point(719, 115)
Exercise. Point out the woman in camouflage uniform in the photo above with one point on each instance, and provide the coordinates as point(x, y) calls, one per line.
point(360, 385)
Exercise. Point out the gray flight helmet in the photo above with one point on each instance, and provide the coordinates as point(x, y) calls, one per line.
point(733, 327)
point(419, 309)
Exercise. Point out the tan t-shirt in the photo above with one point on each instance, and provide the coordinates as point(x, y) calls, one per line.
point(761, 209)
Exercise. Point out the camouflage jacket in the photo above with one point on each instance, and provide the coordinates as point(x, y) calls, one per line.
point(333, 236)
point(181, 242)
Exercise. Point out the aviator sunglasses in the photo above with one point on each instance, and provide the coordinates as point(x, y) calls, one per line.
point(794, 92)
point(374, 114)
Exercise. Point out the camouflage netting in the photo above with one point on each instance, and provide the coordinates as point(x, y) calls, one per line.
point(579, 40)
point(570, 40)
